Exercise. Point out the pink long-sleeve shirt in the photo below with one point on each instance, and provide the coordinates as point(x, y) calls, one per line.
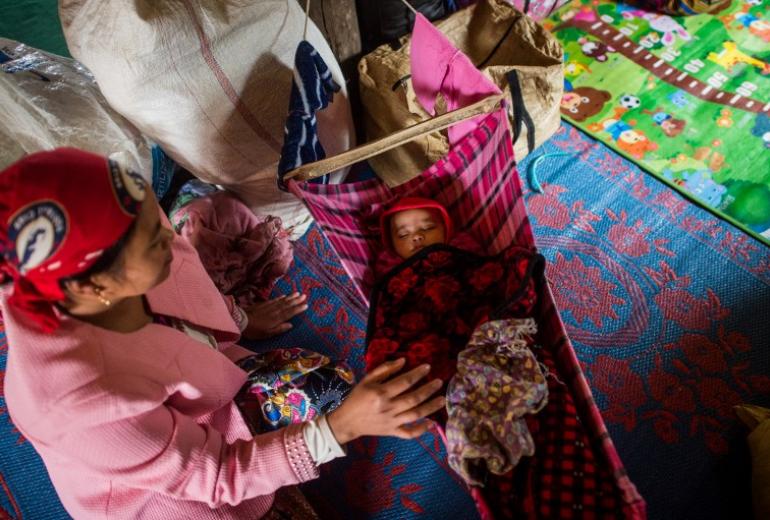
point(143, 425)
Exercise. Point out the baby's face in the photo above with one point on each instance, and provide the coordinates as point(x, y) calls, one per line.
point(414, 229)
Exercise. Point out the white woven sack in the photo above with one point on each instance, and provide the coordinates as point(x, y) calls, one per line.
point(209, 80)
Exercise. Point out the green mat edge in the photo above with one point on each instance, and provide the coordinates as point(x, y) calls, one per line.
point(687, 195)
point(692, 198)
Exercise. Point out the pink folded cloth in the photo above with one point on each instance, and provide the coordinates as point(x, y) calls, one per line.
point(245, 254)
point(437, 66)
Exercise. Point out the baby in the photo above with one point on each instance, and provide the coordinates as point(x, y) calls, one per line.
point(414, 223)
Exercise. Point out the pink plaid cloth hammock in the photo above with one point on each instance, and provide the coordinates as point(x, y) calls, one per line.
point(479, 185)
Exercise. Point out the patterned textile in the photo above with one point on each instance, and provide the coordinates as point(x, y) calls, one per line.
point(536, 9)
point(288, 386)
point(243, 253)
point(686, 98)
point(498, 381)
point(427, 307)
point(683, 7)
point(478, 184)
point(664, 303)
point(564, 476)
point(311, 90)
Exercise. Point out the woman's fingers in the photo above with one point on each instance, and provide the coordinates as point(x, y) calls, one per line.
point(280, 301)
point(277, 307)
point(271, 317)
point(414, 430)
point(417, 397)
point(423, 410)
point(294, 297)
point(383, 371)
point(286, 309)
point(280, 329)
point(399, 385)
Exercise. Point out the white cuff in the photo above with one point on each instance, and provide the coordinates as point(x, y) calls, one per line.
point(320, 441)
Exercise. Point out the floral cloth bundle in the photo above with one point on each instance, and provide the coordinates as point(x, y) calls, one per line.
point(498, 381)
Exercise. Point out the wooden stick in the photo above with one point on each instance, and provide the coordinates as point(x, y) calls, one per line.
point(410, 7)
point(394, 140)
point(307, 15)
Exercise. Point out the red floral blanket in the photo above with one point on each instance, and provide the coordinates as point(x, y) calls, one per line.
point(426, 308)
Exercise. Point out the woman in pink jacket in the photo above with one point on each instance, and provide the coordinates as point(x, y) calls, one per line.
point(121, 358)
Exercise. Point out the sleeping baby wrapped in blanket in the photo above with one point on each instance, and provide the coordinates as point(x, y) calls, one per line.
point(439, 300)
point(434, 287)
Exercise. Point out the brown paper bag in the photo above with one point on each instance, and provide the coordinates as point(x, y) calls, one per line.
point(509, 47)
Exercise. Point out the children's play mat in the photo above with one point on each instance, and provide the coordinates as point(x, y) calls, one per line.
point(687, 98)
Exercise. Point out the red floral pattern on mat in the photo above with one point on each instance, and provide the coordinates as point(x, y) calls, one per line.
point(583, 291)
point(631, 241)
point(549, 210)
point(697, 371)
point(697, 385)
point(678, 304)
point(691, 390)
point(370, 486)
point(615, 377)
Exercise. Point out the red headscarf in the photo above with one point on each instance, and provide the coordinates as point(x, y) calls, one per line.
point(59, 211)
point(413, 203)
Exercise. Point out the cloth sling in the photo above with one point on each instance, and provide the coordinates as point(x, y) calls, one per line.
point(478, 184)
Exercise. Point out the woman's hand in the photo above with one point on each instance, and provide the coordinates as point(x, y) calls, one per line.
point(379, 405)
point(272, 317)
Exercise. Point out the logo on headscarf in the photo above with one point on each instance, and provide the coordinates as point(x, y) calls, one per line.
point(37, 231)
point(129, 187)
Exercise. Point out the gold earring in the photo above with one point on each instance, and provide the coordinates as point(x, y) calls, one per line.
point(104, 301)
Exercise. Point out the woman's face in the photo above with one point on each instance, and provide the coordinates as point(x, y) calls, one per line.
point(146, 257)
point(414, 229)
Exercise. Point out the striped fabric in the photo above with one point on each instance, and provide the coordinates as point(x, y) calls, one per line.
point(478, 184)
point(312, 90)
